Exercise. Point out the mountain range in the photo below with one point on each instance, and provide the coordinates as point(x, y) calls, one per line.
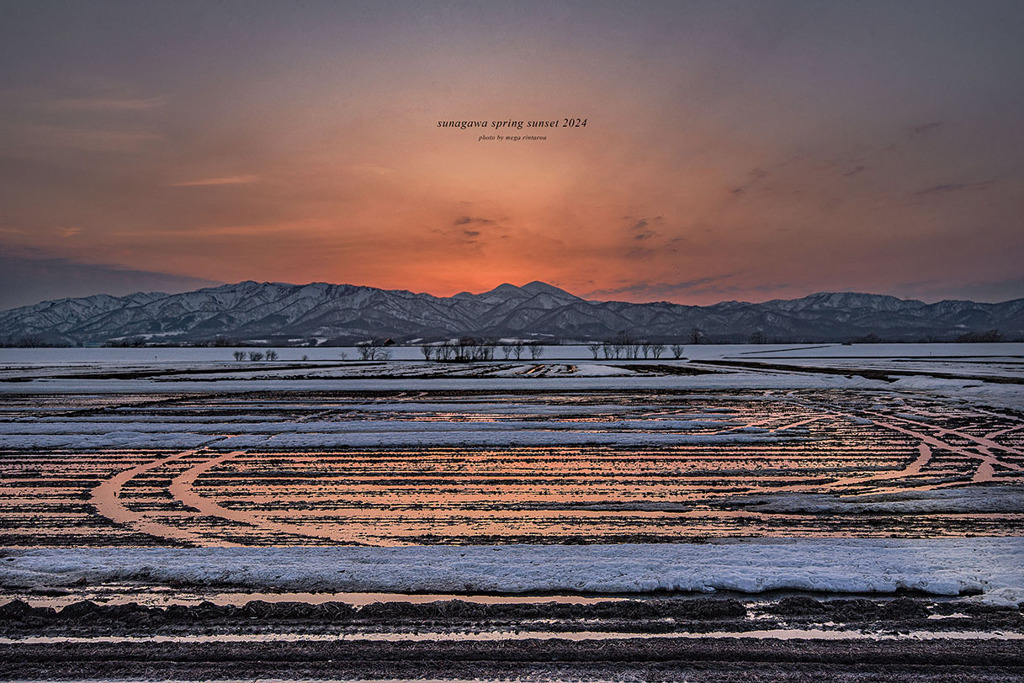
point(320, 313)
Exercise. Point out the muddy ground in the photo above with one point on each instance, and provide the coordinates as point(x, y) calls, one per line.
point(210, 641)
point(714, 659)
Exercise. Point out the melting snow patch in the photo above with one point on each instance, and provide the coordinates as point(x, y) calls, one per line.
point(993, 567)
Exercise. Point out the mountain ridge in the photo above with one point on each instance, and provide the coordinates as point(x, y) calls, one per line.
point(325, 313)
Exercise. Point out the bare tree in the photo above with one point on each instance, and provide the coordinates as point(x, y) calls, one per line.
point(536, 350)
point(487, 349)
point(373, 350)
point(657, 350)
point(506, 350)
point(427, 350)
point(645, 348)
point(255, 356)
point(624, 345)
point(465, 349)
point(595, 349)
point(517, 348)
point(271, 355)
point(239, 355)
point(677, 350)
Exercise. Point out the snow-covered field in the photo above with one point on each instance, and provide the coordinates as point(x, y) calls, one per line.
point(992, 374)
point(991, 568)
point(827, 468)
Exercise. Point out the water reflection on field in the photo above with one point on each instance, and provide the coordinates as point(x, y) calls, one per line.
point(506, 467)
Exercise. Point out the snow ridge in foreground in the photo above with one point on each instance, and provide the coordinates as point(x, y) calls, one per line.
point(993, 567)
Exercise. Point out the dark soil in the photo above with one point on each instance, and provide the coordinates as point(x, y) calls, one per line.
point(711, 658)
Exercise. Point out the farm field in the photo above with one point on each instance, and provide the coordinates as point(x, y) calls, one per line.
point(833, 494)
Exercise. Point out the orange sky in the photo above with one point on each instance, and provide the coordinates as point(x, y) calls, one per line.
point(732, 151)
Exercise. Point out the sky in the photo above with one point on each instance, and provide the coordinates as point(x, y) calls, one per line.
point(732, 150)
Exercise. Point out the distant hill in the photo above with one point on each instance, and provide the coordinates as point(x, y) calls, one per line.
point(322, 313)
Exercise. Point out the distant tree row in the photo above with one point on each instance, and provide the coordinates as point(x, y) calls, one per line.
point(986, 337)
point(32, 341)
point(468, 349)
point(624, 346)
point(256, 356)
point(138, 342)
point(127, 343)
point(989, 336)
point(375, 350)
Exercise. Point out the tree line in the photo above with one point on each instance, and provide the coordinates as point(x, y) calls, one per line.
point(469, 349)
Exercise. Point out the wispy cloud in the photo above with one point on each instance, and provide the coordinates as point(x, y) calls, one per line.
point(27, 278)
point(640, 231)
point(925, 128)
point(221, 180)
point(657, 289)
point(213, 231)
point(111, 104)
point(471, 220)
point(370, 169)
point(83, 138)
point(953, 187)
point(643, 228)
point(754, 177)
point(109, 98)
point(721, 287)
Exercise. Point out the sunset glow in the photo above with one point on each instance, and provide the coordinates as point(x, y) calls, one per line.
point(732, 150)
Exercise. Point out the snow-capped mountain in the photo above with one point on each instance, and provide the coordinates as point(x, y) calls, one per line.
point(326, 313)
